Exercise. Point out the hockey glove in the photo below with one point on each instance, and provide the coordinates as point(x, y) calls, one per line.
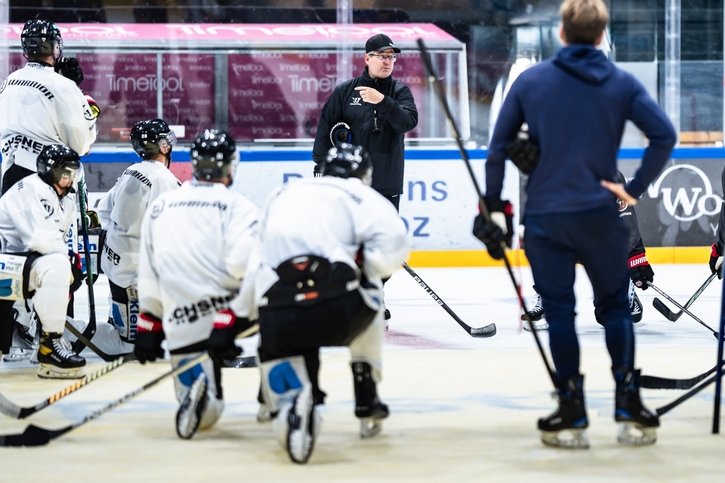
point(70, 68)
point(497, 229)
point(221, 341)
point(317, 170)
point(716, 258)
point(640, 270)
point(95, 108)
point(76, 268)
point(149, 336)
point(523, 153)
point(92, 219)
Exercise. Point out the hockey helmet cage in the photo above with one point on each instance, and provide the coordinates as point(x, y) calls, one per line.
point(56, 161)
point(41, 38)
point(147, 137)
point(213, 155)
point(349, 161)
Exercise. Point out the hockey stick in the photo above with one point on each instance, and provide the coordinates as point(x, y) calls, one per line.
point(90, 329)
point(37, 436)
point(85, 342)
point(673, 316)
point(11, 409)
point(485, 331)
point(668, 407)
point(438, 88)
point(718, 374)
point(654, 382)
point(674, 302)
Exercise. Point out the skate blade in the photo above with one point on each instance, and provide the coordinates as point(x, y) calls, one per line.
point(48, 371)
point(632, 434)
point(567, 439)
point(370, 427)
point(540, 325)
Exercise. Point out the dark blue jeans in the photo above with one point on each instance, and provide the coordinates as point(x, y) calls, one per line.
point(597, 239)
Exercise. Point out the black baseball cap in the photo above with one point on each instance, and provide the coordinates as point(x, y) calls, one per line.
point(379, 42)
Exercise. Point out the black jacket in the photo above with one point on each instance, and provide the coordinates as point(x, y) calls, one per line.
point(395, 116)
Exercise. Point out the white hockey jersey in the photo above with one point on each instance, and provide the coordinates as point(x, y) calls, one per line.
point(33, 218)
point(195, 244)
point(122, 213)
point(37, 107)
point(329, 217)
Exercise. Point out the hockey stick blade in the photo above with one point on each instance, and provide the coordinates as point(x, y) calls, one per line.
point(240, 362)
point(33, 436)
point(11, 409)
point(654, 382)
point(668, 407)
point(665, 310)
point(485, 331)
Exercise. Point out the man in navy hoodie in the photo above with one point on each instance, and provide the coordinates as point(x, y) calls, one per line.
point(576, 106)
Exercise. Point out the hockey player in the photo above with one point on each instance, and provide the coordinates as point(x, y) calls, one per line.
point(122, 212)
point(42, 104)
point(326, 243)
point(570, 214)
point(640, 271)
point(34, 217)
point(195, 243)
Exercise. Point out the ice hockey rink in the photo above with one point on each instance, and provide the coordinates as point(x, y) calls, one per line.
point(462, 408)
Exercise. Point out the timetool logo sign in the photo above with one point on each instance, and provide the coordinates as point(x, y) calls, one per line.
point(686, 192)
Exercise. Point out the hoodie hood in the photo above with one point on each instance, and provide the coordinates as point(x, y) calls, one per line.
point(586, 62)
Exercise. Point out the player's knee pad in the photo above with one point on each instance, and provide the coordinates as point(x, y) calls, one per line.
point(183, 381)
point(124, 311)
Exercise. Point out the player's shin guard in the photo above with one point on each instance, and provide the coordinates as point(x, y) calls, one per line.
point(196, 390)
point(564, 428)
point(368, 407)
point(288, 391)
point(638, 425)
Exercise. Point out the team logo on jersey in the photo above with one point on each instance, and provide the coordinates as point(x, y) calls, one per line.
point(356, 101)
point(157, 209)
point(622, 205)
point(47, 207)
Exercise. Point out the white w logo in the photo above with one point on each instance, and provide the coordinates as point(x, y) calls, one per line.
point(688, 203)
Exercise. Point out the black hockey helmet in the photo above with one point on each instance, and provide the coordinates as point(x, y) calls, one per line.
point(41, 38)
point(148, 137)
point(56, 161)
point(349, 161)
point(213, 155)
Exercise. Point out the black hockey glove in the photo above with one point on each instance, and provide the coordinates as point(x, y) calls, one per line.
point(340, 133)
point(491, 231)
point(716, 259)
point(70, 68)
point(226, 328)
point(640, 270)
point(317, 170)
point(149, 336)
point(523, 153)
point(76, 268)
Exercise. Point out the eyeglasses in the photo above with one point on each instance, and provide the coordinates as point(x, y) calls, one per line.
point(384, 57)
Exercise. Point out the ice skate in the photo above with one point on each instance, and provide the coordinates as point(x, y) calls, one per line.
point(57, 360)
point(299, 424)
point(25, 341)
point(635, 308)
point(536, 314)
point(637, 424)
point(191, 409)
point(368, 407)
point(564, 428)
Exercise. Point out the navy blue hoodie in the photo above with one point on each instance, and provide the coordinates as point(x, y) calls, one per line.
point(576, 106)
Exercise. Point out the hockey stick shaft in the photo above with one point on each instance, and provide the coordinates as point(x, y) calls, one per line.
point(438, 88)
point(19, 412)
point(85, 342)
point(37, 436)
point(488, 330)
point(674, 302)
point(673, 316)
point(718, 374)
point(90, 329)
point(668, 407)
